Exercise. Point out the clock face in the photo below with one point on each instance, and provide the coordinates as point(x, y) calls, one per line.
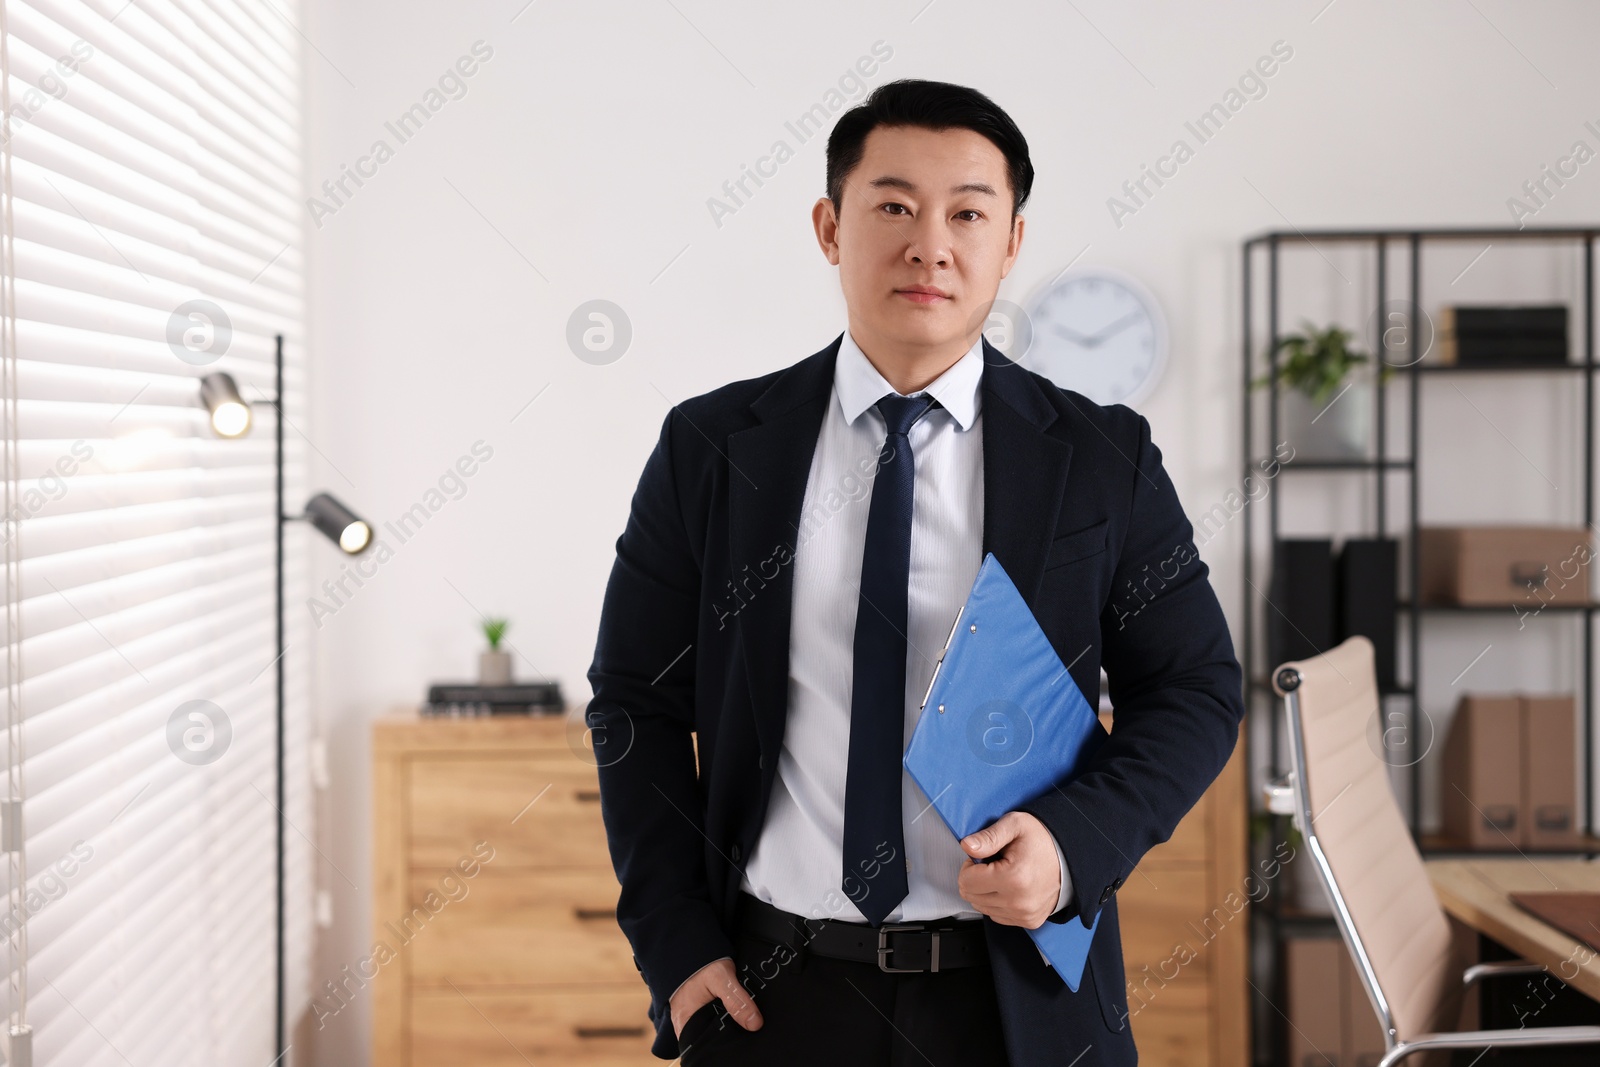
point(1098, 333)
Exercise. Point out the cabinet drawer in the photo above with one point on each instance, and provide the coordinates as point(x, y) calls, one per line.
point(522, 928)
point(1171, 926)
point(1173, 1037)
point(605, 1027)
point(454, 803)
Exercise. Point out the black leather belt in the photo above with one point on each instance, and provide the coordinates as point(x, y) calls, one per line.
point(932, 945)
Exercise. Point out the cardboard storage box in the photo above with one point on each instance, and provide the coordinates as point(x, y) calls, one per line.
point(1481, 780)
point(1360, 1031)
point(1494, 566)
point(1311, 975)
point(1331, 1020)
point(1509, 773)
point(1549, 772)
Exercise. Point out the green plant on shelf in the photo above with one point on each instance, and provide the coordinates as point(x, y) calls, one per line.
point(1261, 826)
point(494, 630)
point(1318, 362)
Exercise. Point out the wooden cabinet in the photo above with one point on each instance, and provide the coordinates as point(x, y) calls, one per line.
point(495, 893)
point(1185, 935)
point(495, 896)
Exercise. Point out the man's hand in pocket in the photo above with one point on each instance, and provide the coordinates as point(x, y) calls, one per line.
point(718, 978)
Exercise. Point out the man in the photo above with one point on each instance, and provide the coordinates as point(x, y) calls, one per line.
point(797, 548)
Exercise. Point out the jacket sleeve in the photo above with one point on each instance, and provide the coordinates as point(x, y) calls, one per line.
point(1175, 685)
point(641, 720)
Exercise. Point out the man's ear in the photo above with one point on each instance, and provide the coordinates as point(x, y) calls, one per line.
point(826, 223)
point(1013, 246)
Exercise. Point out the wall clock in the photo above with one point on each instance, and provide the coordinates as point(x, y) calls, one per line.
point(1099, 332)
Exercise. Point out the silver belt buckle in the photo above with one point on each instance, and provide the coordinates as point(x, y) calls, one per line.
point(883, 948)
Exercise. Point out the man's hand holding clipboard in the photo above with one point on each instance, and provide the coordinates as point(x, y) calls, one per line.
point(1001, 723)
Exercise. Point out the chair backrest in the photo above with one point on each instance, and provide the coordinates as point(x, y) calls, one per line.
point(1384, 902)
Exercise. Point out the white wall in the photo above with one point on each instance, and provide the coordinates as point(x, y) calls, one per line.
point(578, 166)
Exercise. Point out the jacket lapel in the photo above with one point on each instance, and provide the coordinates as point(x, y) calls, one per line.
point(766, 491)
point(1024, 471)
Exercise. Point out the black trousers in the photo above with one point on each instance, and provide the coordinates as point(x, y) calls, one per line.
point(840, 1013)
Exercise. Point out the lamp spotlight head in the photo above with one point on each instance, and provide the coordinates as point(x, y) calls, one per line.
point(230, 415)
point(339, 524)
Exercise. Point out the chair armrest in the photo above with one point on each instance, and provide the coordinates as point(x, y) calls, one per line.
point(1498, 969)
point(1530, 1036)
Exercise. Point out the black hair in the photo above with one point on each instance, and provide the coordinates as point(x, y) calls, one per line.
point(930, 105)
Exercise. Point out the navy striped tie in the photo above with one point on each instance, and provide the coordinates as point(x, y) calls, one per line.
point(874, 841)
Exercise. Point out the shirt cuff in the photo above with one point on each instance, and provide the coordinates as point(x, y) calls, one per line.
point(1066, 890)
point(1066, 878)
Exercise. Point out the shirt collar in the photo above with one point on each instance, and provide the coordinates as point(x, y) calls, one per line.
point(859, 386)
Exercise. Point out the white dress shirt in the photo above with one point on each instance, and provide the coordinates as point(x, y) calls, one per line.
point(798, 861)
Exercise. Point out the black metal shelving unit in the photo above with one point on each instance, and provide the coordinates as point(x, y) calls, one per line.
point(1271, 919)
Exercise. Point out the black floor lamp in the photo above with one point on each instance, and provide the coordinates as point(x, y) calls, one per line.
point(231, 417)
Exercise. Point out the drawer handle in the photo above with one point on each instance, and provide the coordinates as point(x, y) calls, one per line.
point(1530, 574)
point(1500, 817)
point(595, 913)
point(586, 1032)
point(592, 796)
point(1552, 817)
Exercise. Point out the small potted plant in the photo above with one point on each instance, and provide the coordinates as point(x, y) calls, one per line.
point(1322, 418)
point(1303, 888)
point(494, 665)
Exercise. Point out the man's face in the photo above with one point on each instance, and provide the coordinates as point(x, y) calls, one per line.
point(928, 209)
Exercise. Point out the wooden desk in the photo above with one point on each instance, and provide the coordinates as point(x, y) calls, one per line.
point(1475, 891)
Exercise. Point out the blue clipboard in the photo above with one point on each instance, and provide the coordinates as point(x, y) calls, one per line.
point(1002, 722)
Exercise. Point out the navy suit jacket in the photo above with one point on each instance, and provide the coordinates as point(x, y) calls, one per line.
point(694, 638)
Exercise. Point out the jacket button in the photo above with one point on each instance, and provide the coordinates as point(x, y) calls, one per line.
point(1116, 883)
point(735, 853)
point(1106, 895)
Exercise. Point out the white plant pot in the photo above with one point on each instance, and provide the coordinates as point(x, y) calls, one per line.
point(1338, 429)
point(494, 668)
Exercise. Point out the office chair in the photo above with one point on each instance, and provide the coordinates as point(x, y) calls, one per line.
point(1368, 864)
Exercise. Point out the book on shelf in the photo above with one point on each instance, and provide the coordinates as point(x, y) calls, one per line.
point(1502, 336)
point(515, 698)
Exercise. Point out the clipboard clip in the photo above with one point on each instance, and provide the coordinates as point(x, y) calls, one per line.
point(940, 662)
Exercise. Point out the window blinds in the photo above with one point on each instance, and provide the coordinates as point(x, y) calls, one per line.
point(154, 235)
